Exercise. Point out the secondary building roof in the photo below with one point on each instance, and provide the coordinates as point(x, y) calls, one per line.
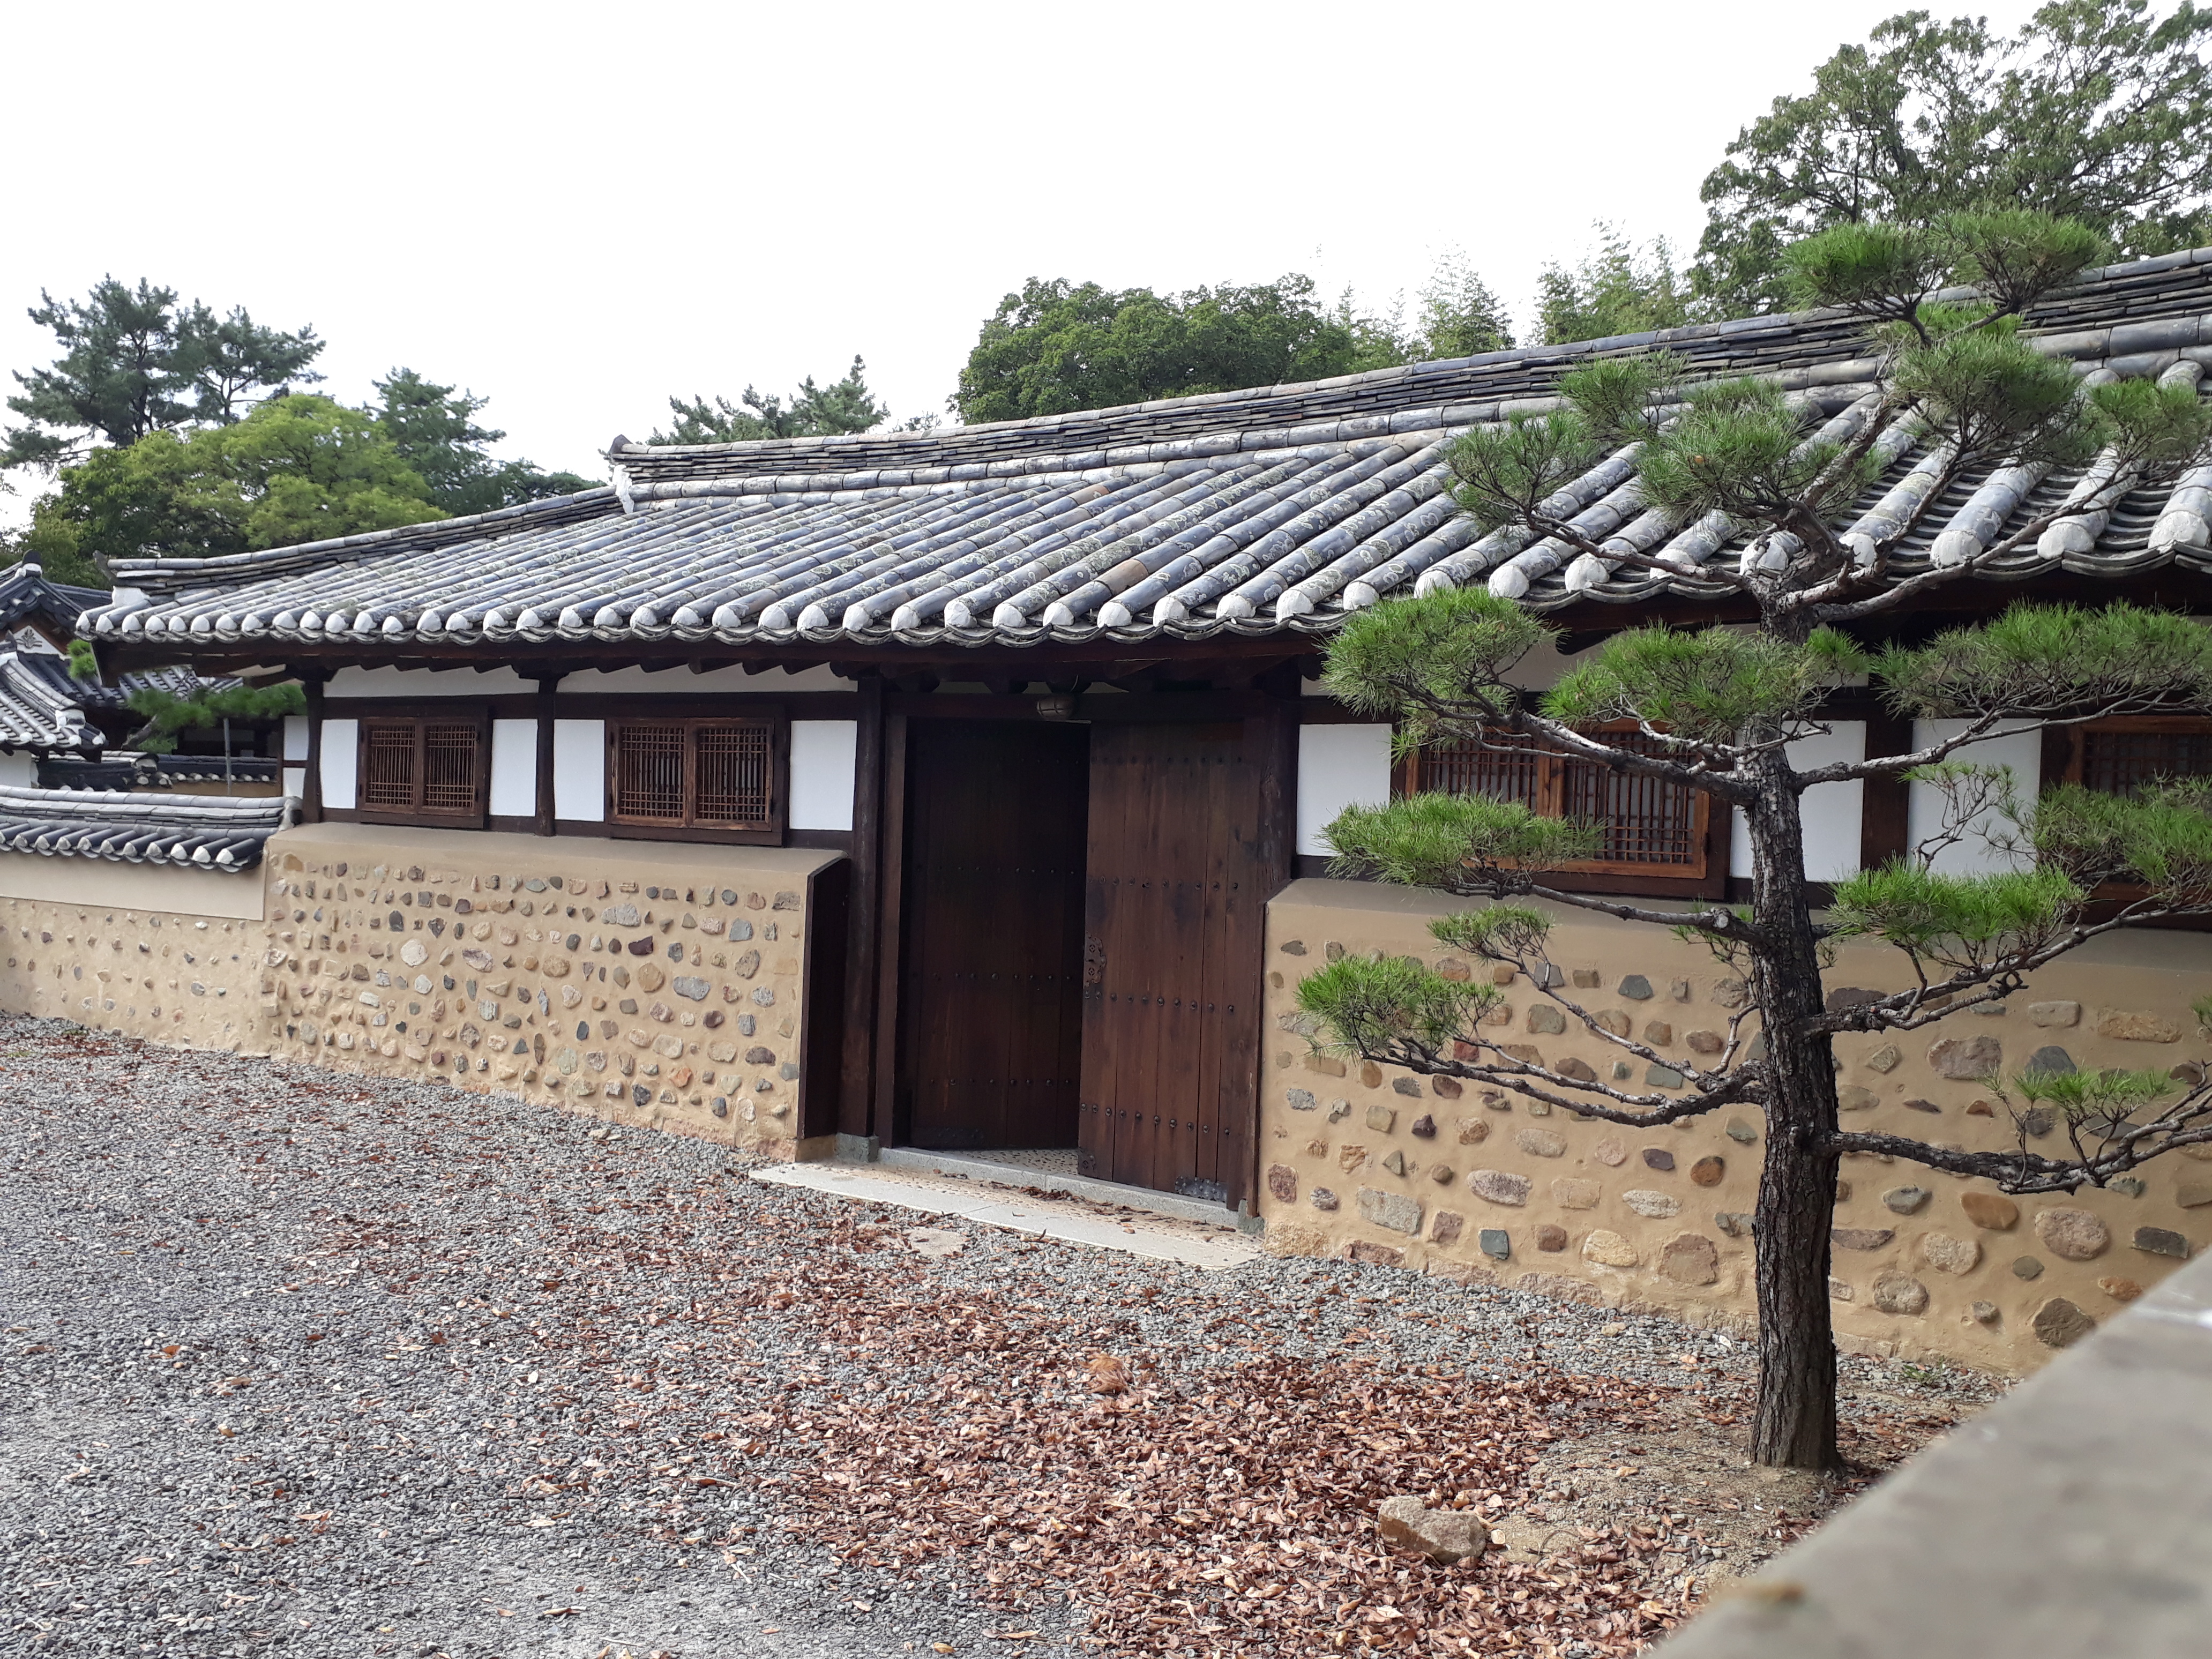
point(209, 832)
point(40, 707)
point(1276, 510)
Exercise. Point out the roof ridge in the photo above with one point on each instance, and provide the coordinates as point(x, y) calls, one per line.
point(625, 451)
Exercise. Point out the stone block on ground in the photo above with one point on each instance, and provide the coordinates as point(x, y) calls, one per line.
point(1449, 1536)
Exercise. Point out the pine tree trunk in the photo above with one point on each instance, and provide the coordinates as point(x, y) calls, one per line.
point(1796, 1423)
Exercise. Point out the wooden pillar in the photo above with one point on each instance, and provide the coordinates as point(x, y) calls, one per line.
point(547, 704)
point(311, 791)
point(1883, 832)
point(856, 1093)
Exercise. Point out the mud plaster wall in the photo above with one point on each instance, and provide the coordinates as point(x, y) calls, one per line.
point(646, 982)
point(1374, 1163)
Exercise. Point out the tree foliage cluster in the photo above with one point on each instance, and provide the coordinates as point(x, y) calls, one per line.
point(167, 715)
point(2098, 110)
point(814, 411)
point(1718, 709)
point(1058, 346)
point(172, 430)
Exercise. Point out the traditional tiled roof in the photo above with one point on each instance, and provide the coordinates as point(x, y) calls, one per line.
point(28, 596)
point(127, 768)
point(1239, 513)
point(39, 709)
point(209, 832)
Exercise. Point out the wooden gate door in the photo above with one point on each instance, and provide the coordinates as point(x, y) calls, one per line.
point(1188, 843)
point(990, 1020)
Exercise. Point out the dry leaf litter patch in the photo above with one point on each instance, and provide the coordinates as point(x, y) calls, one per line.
point(304, 1364)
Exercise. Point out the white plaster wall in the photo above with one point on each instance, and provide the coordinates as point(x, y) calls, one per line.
point(822, 764)
point(19, 770)
point(1833, 811)
point(682, 682)
point(2021, 750)
point(340, 753)
point(295, 748)
point(175, 889)
point(514, 768)
point(580, 771)
point(426, 683)
point(1339, 765)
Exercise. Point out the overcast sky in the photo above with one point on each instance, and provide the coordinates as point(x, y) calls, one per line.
point(579, 210)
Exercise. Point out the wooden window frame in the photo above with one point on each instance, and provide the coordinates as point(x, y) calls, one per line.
point(1694, 878)
point(2065, 747)
point(416, 813)
point(771, 834)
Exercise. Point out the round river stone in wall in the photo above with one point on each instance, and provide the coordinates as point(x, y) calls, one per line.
point(1572, 1193)
point(1950, 1255)
point(1657, 1206)
point(1689, 1259)
point(1898, 1293)
point(1608, 1249)
point(2075, 1235)
point(1610, 1152)
point(414, 953)
point(2059, 1324)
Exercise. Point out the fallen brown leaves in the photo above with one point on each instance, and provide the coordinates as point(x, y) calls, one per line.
point(1235, 1512)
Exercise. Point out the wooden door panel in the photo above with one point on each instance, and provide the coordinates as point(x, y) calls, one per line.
point(1179, 866)
point(989, 1017)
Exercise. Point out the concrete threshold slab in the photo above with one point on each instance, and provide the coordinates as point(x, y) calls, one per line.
point(1112, 1193)
point(1211, 1248)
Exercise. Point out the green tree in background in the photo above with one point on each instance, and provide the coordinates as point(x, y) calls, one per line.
point(1457, 315)
point(1059, 346)
point(133, 362)
point(300, 468)
point(2097, 111)
point(1614, 290)
point(815, 412)
point(433, 428)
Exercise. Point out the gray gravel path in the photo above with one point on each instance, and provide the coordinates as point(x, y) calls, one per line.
point(307, 1364)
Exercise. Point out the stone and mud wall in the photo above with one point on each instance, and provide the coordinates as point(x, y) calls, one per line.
point(1437, 1176)
point(645, 982)
point(172, 955)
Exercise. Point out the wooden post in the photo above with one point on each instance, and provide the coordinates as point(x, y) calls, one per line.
point(547, 704)
point(310, 790)
point(1884, 803)
point(856, 1094)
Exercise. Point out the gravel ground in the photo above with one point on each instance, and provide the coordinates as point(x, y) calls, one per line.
point(330, 1365)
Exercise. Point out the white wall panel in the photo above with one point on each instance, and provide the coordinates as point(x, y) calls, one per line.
point(295, 736)
point(580, 771)
point(426, 683)
point(514, 768)
point(19, 770)
point(1339, 765)
point(823, 757)
point(1831, 810)
point(341, 750)
point(2021, 750)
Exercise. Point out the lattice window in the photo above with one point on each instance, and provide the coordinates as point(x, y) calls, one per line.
point(2122, 759)
point(735, 774)
point(422, 768)
point(714, 774)
point(1649, 826)
point(648, 772)
point(386, 773)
